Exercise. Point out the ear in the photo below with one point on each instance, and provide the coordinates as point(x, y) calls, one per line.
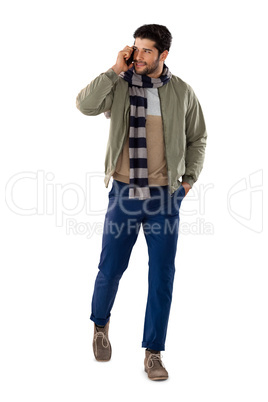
point(164, 55)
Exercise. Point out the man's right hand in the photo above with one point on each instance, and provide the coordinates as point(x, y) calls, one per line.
point(122, 58)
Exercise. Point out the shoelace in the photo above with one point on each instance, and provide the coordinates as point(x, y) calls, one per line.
point(153, 357)
point(104, 338)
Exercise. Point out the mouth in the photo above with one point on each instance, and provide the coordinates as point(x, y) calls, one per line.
point(140, 64)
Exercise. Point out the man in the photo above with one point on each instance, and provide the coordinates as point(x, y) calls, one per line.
point(157, 136)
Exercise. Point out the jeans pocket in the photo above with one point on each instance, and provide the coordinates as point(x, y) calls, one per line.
point(183, 190)
point(111, 192)
point(177, 198)
point(179, 193)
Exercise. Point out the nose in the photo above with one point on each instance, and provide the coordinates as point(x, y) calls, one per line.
point(138, 55)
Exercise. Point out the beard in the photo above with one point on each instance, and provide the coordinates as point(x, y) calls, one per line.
point(148, 69)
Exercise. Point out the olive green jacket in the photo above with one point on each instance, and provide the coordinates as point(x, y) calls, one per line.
point(183, 124)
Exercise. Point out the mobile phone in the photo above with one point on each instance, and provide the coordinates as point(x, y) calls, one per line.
point(130, 60)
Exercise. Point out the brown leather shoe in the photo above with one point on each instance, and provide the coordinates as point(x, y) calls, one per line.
point(101, 345)
point(154, 367)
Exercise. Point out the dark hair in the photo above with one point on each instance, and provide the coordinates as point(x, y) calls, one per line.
point(158, 33)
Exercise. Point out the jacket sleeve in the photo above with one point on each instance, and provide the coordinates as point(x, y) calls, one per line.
point(97, 97)
point(196, 138)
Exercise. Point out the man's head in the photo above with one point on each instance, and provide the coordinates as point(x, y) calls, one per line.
point(151, 47)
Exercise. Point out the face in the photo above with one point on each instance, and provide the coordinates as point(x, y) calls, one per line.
point(147, 60)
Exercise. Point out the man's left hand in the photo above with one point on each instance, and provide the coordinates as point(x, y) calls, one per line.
point(186, 186)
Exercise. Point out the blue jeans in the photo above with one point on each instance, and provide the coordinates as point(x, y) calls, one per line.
point(159, 217)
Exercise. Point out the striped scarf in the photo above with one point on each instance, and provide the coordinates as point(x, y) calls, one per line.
point(138, 173)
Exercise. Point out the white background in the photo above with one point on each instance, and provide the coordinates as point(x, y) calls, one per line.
point(216, 347)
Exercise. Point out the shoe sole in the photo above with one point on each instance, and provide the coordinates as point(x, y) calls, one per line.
point(156, 378)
